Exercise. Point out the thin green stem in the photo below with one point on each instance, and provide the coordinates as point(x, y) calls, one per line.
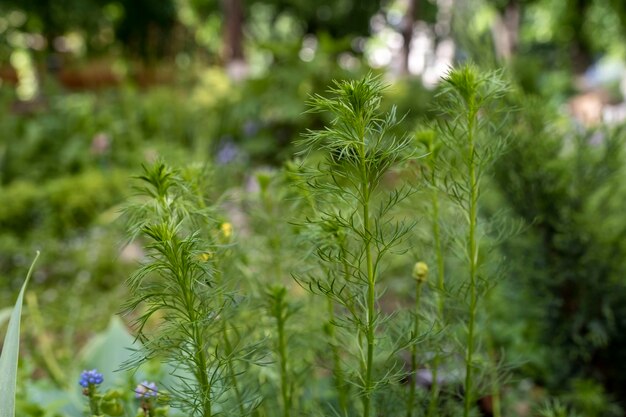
point(199, 359)
point(371, 290)
point(434, 389)
point(94, 403)
point(473, 265)
point(229, 350)
point(413, 386)
point(232, 373)
point(340, 383)
point(282, 353)
point(202, 372)
point(496, 403)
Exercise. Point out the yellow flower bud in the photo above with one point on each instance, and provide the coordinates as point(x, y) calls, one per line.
point(226, 229)
point(420, 272)
point(206, 256)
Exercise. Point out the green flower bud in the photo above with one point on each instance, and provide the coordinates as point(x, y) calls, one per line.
point(264, 177)
point(425, 138)
point(112, 408)
point(161, 411)
point(420, 272)
point(113, 394)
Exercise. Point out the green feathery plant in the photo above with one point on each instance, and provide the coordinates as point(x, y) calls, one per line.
point(469, 105)
point(334, 238)
point(359, 148)
point(555, 408)
point(180, 286)
point(288, 331)
point(231, 329)
point(341, 386)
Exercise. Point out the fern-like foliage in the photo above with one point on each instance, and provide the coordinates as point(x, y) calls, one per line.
point(469, 127)
point(353, 229)
point(179, 295)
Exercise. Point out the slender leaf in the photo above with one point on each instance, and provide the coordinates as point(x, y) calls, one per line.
point(5, 313)
point(9, 355)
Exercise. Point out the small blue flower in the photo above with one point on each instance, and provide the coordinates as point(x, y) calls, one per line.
point(146, 390)
point(92, 377)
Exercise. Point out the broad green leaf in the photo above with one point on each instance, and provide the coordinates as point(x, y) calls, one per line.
point(107, 351)
point(54, 401)
point(9, 355)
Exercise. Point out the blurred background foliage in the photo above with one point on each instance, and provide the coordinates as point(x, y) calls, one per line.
point(91, 89)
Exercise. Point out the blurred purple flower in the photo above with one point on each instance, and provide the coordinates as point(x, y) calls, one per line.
point(597, 139)
point(227, 152)
point(251, 128)
point(146, 390)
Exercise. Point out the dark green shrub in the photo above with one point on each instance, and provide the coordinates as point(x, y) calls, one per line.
point(567, 184)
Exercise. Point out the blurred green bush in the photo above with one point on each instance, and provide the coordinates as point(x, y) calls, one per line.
point(566, 183)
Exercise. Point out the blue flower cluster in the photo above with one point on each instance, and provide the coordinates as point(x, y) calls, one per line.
point(146, 390)
point(92, 377)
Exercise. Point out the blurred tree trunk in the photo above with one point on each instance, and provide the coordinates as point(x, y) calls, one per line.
point(580, 49)
point(506, 30)
point(233, 30)
point(234, 59)
point(407, 33)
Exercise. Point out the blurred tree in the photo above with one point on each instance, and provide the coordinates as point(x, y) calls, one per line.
point(146, 26)
point(407, 27)
point(507, 26)
point(572, 20)
point(233, 33)
point(142, 27)
point(51, 17)
point(561, 35)
point(412, 11)
point(339, 18)
point(569, 188)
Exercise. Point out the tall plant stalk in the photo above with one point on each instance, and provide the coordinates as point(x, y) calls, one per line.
point(472, 250)
point(335, 237)
point(435, 388)
point(420, 273)
point(280, 311)
point(229, 353)
point(338, 374)
point(370, 316)
point(430, 170)
point(358, 148)
point(469, 100)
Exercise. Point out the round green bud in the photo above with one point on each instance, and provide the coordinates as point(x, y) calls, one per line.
point(113, 394)
point(425, 137)
point(112, 408)
point(420, 272)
